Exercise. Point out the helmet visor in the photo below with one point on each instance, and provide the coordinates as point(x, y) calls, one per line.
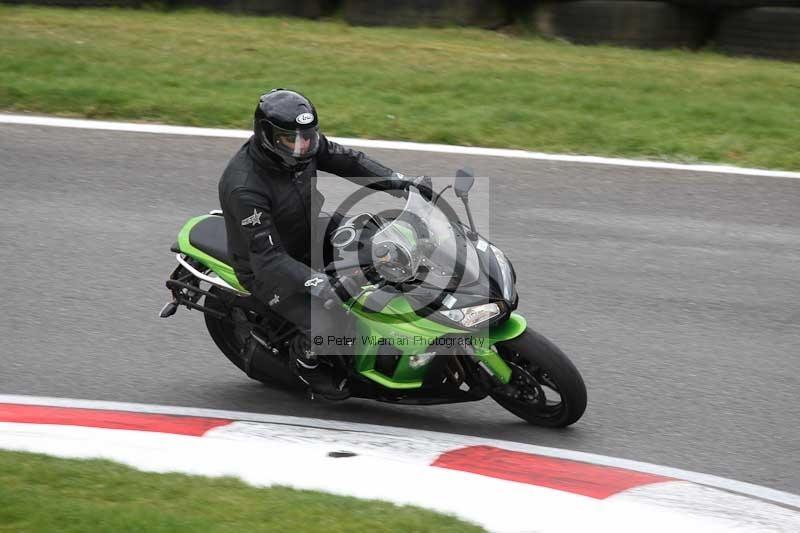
point(297, 143)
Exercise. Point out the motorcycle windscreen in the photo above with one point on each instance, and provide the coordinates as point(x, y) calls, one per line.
point(423, 243)
point(395, 252)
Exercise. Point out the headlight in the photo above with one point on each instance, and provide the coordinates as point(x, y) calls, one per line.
point(505, 271)
point(472, 316)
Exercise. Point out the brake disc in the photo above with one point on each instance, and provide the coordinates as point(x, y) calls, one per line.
point(528, 389)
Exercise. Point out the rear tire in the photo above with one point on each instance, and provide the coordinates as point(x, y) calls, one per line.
point(231, 337)
point(533, 356)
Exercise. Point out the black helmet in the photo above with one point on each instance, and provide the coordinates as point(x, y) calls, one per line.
point(286, 127)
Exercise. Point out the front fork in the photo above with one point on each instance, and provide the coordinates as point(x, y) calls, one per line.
point(490, 361)
point(496, 368)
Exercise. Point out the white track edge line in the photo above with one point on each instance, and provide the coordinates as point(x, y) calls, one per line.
point(732, 485)
point(394, 145)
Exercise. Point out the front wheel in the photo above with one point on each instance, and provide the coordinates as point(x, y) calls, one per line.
point(547, 388)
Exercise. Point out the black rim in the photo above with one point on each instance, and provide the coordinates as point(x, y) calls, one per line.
point(240, 331)
point(238, 323)
point(233, 334)
point(535, 387)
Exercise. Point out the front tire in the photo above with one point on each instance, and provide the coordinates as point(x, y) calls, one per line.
point(549, 389)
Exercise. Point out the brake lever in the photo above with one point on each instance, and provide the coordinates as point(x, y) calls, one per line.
point(437, 196)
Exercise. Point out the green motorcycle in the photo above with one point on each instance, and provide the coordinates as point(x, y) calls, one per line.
point(433, 320)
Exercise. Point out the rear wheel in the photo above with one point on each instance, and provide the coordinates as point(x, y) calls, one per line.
point(232, 335)
point(548, 389)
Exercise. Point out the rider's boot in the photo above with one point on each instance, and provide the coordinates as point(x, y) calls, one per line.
point(318, 378)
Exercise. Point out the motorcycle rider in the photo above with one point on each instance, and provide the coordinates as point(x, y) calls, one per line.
point(272, 210)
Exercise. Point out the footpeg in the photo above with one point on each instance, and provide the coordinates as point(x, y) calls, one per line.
point(169, 309)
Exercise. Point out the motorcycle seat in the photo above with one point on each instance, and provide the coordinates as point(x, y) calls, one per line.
point(209, 236)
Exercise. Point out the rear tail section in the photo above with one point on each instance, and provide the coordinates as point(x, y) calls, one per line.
point(201, 252)
point(203, 239)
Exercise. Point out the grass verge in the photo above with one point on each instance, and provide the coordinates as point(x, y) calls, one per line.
point(40, 493)
point(457, 86)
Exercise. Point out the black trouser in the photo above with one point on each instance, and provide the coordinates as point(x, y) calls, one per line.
point(324, 329)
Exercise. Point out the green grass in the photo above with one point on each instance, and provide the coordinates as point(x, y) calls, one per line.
point(39, 493)
point(459, 86)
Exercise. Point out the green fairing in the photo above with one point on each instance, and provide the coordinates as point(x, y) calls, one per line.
point(223, 270)
point(391, 326)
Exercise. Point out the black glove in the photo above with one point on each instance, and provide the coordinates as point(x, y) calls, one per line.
point(423, 183)
point(319, 286)
point(399, 185)
point(425, 186)
point(345, 287)
point(328, 288)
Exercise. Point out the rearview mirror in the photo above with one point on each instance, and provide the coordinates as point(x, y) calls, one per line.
point(464, 182)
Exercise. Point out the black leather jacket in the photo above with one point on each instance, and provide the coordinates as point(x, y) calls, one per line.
point(271, 212)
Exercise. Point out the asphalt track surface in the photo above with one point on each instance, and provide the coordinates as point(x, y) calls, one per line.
point(676, 294)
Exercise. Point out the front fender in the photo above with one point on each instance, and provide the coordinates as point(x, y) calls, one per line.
point(510, 329)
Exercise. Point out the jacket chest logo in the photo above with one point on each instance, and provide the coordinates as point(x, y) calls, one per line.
point(254, 219)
